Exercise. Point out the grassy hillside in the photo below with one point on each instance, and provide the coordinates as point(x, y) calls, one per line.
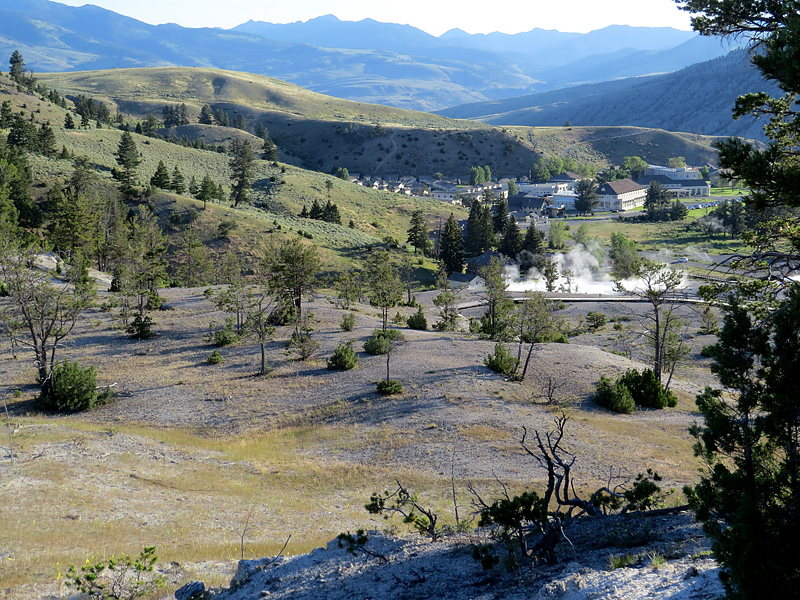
point(279, 191)
point(610, 145)
point(321, 133)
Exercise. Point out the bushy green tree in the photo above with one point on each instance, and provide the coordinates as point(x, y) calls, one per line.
point(418, 320)
point(501, 360)
point(241, 165)
point(451, 248)
point(495, 320)
point(418, 235)
point(72, 388)
point(587, 198)
point(749, 496)
point(128, 158)
point(292, 270)
point(161, 178)
point(624, 256)
point(343, 358)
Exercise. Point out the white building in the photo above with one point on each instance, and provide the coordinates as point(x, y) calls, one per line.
point(623, 194)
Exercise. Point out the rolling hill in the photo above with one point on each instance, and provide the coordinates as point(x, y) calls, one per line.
point(321, 133)
point(697, 99)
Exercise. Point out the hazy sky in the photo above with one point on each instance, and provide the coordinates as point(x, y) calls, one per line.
point(433, 16)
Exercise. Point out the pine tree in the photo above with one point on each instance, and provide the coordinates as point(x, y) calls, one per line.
point(418, 235)
point(474, 244)
point(206, 115)
point(500, 215)
point(511, 243)
point(316, 210)
point(47, 140)
point(330, 213)
point(534, 240)
point(178, 183)
point(160, 178)
point(208, 190)
point(128, 158)
point(241, 164)
point(69, 122)
point(451, 247)
point(488, 238)
point(17, 70)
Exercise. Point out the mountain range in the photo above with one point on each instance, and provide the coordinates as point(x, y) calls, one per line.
point(369, 61)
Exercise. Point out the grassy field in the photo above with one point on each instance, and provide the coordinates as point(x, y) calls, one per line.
point(674, 236)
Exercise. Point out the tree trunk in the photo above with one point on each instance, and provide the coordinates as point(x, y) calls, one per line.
point(263, 359)
point(527, 361)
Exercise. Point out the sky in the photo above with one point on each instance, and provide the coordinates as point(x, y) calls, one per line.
point(433, 16)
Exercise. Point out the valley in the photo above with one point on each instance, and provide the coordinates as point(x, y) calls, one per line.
point(260, 304)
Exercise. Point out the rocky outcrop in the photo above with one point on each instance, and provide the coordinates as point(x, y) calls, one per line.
point(674, 562)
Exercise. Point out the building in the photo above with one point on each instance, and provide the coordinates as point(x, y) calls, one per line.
point(680, 188)
point(623, 194)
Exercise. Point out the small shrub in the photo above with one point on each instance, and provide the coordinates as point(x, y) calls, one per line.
point(154, 301)
point(595, 320)
point(225, 337)
point(614, 396)
point(141, 328)
point(302, 345)
point(622, 400)
point(646, 494)
point(418, 320)
point(380, 341)
point(225, 227)
point(72, 388)
point(633, 389)
point(646, 390)
point(389, 387)
point(348, 322)
point(620, 561)
point(118, 578)
point(707, 351)
point(501, 361)
point(214, 358)
point(343, 358)
point(398, 319)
